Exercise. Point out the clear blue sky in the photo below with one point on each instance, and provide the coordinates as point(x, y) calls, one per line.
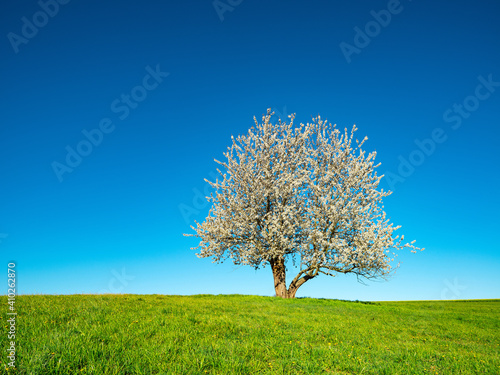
point(167, 83)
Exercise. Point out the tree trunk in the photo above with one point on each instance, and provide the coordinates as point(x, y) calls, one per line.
point(279, 274)
point(291, 293)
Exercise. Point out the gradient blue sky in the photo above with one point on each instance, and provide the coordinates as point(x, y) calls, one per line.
point(114, 223)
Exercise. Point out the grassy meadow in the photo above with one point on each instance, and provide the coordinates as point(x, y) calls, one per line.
point(234, 334)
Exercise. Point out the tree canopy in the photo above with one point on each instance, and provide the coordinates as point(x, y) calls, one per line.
point(304, 194)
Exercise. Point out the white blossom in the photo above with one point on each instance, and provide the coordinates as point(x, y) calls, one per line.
point(304, 193)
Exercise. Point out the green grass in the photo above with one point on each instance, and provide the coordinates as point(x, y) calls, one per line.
point(205, 334)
